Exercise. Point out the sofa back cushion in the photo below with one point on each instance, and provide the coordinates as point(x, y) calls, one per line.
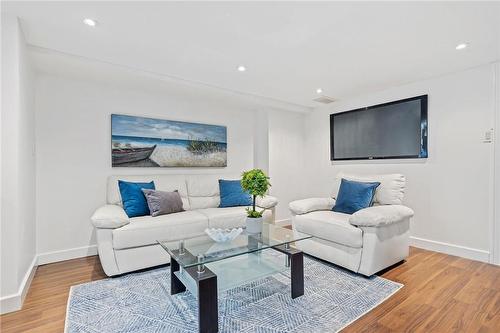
point(168, 183)
point(203, 190)
point(196, 191)
point(390, 191)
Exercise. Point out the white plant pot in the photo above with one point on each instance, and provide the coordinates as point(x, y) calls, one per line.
point(254, 225)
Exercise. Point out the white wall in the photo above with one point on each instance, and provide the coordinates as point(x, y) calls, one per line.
point(73, 148)
point(18, 167)
point(73, 141)
point(261, 146)
point(286, 158)
point(495, 235)
point(451, 190)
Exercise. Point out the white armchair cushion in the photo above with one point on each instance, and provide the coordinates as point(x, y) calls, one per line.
point(266, 202)
point(109, 217)
point(330, 226)
point(380, 215)
point(304, 206)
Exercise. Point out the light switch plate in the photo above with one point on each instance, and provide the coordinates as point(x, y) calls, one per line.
point(488, 136)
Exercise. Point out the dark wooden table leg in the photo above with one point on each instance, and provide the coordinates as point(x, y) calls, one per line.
point(208, 312)
point(297, 273)
point(176, 286)
point(208, 316)
point(296, 259)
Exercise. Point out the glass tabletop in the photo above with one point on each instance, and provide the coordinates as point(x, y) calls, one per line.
point(203, 249)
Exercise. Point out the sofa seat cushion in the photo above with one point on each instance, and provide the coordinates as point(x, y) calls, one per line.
point(330, 226)
point(225, 218)
point(146, 230)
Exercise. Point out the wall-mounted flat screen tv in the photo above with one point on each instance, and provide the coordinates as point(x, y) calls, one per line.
point(391, 130)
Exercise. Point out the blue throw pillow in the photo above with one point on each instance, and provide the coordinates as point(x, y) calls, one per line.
point(134, 201)
point(232, 194)
point(354, 196)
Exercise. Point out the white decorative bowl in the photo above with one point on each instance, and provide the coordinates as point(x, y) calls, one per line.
point(223, 235)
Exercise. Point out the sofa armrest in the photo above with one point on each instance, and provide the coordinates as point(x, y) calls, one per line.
point(376, 216)
point(109, 217)
point(304, 206)
point(266, 202)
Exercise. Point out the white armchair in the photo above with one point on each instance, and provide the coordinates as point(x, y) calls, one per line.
point(365, 242)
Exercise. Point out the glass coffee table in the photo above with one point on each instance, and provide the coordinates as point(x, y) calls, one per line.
point(205, 267)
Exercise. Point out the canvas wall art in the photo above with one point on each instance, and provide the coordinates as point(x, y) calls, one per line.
point(147, 142)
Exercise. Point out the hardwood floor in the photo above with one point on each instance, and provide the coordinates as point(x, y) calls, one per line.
point(442, 293)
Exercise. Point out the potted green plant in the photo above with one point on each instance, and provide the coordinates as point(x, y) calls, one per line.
point(256, 183)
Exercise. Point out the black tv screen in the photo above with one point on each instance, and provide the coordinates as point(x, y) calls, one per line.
point(391, 130)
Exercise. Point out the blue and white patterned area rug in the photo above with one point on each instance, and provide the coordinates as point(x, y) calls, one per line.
point(141, 302)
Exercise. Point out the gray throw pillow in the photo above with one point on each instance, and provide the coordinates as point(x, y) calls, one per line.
point(161, 203)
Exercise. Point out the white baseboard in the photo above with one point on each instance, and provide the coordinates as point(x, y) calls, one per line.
point(452, 249)
point(283, 222)
point(15, 301)
point(77, 252)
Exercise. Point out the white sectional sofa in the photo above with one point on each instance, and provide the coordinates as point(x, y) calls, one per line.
point(129, 244)
point(365, 242)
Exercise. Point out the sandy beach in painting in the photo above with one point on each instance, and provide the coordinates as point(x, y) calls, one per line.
point(177, 156)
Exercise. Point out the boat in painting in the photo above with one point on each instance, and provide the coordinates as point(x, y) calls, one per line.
point(129, 155)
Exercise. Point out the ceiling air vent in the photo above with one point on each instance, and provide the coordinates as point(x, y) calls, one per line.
point(324, 99)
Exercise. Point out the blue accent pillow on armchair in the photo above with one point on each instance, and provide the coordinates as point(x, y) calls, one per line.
point(232, 194)
point(134, 201)
point(354, 196)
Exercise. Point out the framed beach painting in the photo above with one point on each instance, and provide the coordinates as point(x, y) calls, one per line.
point(147, 142)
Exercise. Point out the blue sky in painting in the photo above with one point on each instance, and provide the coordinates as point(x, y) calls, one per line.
point(165, 129)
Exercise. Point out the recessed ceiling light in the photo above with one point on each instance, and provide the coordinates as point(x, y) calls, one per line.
point(319, 91)
point(241, 68)
point(461, 46)
point(90, 22)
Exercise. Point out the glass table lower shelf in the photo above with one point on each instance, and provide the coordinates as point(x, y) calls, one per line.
point(237, 271)
point(206, 280)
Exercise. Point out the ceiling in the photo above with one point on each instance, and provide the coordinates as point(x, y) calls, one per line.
point(289, 48)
